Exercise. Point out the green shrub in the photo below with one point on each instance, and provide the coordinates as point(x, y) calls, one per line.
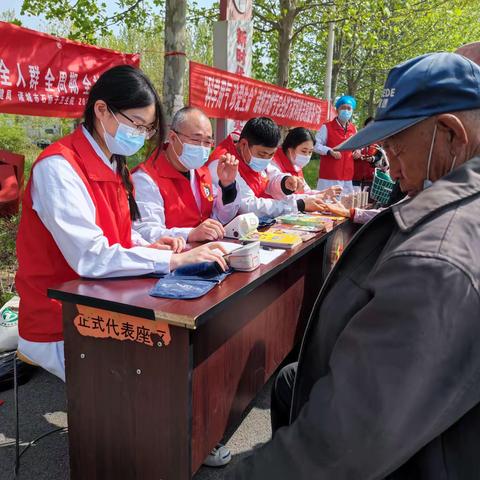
point(8, 259)
point(13, 138)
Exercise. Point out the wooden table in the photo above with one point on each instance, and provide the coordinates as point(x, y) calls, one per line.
point(155, 412)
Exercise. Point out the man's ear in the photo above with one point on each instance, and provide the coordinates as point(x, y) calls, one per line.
point(457, 132)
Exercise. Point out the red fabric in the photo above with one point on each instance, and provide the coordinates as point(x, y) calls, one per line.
point(331, 168)
point(17, 162)
point(222, 94)
point(9, 191)
point(181, 209)
point(41, 264)
point(257, 181)
point(8, 184)
point(49, 76)
point(363, 171)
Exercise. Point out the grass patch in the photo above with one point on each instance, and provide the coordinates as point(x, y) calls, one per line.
point(310, 172)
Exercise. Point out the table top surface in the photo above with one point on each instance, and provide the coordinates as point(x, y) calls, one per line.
point(130, 295)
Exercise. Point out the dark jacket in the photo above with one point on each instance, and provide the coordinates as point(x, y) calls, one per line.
point(388, 383)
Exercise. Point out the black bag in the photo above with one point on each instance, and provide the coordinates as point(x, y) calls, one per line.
point(24, 371)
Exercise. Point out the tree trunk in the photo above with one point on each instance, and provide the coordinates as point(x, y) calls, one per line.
point(174, 69)
point(285, 34)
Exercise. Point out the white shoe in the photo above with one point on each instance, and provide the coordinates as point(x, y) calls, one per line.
point(218, 457)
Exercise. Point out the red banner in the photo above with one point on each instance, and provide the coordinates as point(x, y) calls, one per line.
point(221, 94)
point(50, 76)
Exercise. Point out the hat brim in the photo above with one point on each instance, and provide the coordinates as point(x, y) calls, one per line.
point(376, 131)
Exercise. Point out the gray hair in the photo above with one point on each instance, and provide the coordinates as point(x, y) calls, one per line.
point(181, 116)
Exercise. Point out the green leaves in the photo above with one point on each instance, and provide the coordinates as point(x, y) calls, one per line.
point(89, 20)
point(371, 38)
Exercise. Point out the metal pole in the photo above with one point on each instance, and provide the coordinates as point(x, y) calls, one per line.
point(328, 76)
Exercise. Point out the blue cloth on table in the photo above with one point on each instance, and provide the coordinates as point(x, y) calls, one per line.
point(191, 281)
point(266, 221)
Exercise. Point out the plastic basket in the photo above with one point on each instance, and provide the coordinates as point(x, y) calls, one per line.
point(382, 187)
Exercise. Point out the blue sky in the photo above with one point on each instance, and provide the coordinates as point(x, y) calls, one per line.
point(35, 22)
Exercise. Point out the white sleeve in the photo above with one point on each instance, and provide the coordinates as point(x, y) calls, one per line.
point(263, 206)
point(64, 206)
point(138, 240)
point(307, 190)
point(321, 140)
point(222, 213)
point(152, 226)
point(275, 177)
point(248, 202)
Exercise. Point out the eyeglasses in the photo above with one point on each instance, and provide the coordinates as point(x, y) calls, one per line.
point(204, 142)
point(149, 132)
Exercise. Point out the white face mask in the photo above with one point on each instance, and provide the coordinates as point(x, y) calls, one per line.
point(301, 160)
point(427, 183)
point(127, 140)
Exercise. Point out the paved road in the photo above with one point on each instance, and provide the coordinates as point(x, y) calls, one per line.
point(43, 407)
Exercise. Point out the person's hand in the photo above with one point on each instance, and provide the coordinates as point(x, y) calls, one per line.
point(330, 192)
point(211, 252)
point(176, 244)
point(336, 155)
point(314, 204)
point(294, 184)
point(227, 169)
point(357, 154)
point(210, 229)
point(338, 209)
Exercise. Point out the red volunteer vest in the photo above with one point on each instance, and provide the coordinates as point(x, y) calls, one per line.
point(362, 170)
point(181, 209)
point(257, 181)
point(331, 168)
point(40, 262)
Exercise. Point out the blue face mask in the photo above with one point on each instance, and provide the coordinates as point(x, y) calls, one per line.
point(127, 140)
point(345, 115)
point(258, 164)
point(194, 156)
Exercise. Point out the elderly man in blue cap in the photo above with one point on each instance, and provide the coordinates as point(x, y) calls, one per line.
point(336, 168)
point(387, 385)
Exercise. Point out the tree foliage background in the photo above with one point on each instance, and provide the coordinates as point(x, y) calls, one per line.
point(290, 36)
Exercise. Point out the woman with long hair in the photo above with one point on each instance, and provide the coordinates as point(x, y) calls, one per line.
point(78, 209)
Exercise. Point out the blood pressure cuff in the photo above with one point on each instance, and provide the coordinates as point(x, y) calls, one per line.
point(191, 281)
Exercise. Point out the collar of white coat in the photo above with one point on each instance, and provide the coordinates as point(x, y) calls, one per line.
point(98, 150)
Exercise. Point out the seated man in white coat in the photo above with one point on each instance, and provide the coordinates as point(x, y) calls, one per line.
point(174, 190)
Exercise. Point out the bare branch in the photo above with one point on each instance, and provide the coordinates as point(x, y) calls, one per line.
point(263, 18)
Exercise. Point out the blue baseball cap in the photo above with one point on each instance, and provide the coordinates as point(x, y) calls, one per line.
point(418, 89)
point(346, 100)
